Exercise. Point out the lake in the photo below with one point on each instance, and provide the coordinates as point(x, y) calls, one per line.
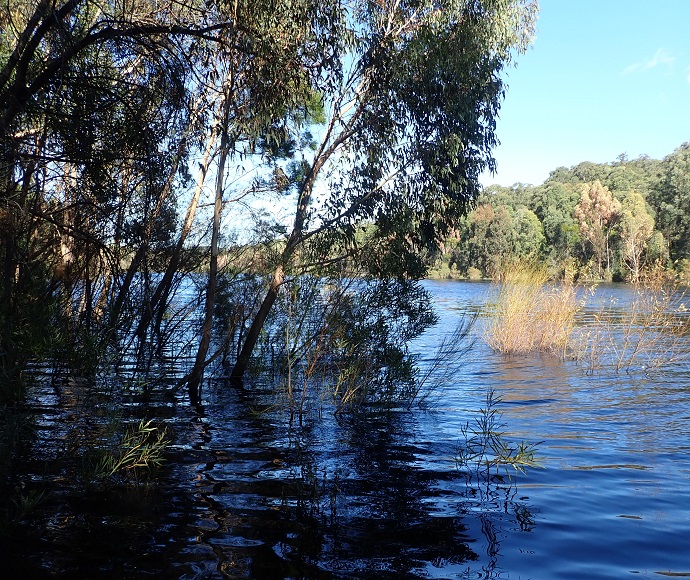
point(247, 493)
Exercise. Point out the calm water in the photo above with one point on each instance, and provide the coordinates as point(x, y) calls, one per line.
point(247, 494)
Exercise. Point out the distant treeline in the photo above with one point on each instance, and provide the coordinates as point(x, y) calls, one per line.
point(606, 221)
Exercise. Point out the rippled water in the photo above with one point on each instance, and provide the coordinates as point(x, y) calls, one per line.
point(248, 494)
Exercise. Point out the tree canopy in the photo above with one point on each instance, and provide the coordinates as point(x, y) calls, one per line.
point(598, 220)
point(116, 116)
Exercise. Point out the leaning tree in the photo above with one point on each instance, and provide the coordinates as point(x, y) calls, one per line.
point(409, 126)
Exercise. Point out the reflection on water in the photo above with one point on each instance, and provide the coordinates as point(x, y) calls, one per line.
point(359, 497)
point(247, 494)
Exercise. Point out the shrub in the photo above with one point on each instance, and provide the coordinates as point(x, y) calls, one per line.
point(530, 314)
point(474, 273)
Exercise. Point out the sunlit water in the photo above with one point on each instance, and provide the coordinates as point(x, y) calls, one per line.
point(249, 494)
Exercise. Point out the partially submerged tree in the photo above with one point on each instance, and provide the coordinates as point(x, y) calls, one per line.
point(91, 96)
point(410, 126)
point(106, 109)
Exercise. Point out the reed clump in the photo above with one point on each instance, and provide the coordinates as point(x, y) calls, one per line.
point(651, 333)
point(530, 313)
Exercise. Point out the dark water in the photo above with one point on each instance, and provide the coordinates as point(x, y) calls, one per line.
point(249, 494)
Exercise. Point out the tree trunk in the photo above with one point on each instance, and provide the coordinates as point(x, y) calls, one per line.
point(257, 324)
point(294, 240)
point(327, 149)
point(197, 373)
point(162, 292)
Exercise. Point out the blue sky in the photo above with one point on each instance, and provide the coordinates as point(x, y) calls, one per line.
point(603, 77)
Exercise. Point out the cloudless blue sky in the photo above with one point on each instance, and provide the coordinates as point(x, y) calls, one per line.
point(603, 77)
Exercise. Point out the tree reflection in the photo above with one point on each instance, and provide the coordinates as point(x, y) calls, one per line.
point(373, 501)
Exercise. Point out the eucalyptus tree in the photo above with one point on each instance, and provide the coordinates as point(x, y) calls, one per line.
point(264, 82)
point(92, 94)
point(410, 119)
point(554, 204)
point(529, 234)
point(597, 212)
point(103, 104)
point(491, 240)
point(635, 230)
point(671, 200)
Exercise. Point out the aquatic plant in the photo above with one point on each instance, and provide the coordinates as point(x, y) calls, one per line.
point(651, 333)
point(531, 315)
point(345, 341)
point(485, 451)
point(141, 447)
point(21, 505)
point(442, 369)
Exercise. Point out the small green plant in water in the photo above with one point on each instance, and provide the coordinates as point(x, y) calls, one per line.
point(485, 450)
point(141, 448)
point(19, 508)
point(27, 502)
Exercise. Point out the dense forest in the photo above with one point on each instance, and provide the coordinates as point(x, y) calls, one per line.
point(606, 221)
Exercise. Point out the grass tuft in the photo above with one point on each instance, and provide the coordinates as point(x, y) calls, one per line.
point(651, 334)
point(530, 314)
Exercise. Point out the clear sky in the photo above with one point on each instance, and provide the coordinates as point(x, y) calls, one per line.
point(603, 77)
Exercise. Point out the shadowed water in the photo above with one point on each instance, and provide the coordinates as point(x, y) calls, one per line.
point(247, 493)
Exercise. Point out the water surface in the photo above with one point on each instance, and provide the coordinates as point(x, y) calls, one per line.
point(247, 493)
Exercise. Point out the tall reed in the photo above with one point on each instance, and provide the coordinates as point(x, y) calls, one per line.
point(530, 314)
point(652, 332)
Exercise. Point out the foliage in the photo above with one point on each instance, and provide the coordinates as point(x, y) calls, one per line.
point(485, 449)
point(601, 221)
point(492, 238)
point(636, 228)
point(530, 315)
point(409, 128)
point(22, 505)
point(140, 449)
point(347, 340)
point(114, 115)
point(597, 212)
point(670, 198)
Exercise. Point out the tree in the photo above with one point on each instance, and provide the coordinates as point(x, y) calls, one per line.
point(671, 201)
point(529, 234)
point(410, 126)
point(105, 107)
point(597, 212)
point(102, 107)
point(554, 204)
point(491, 239)
point(639, 175)
point(635, 228)
point(91, 96)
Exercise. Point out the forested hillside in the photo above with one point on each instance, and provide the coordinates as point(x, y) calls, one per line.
point(604, 221)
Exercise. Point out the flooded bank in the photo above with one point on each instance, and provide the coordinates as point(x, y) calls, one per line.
point(248, 492)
